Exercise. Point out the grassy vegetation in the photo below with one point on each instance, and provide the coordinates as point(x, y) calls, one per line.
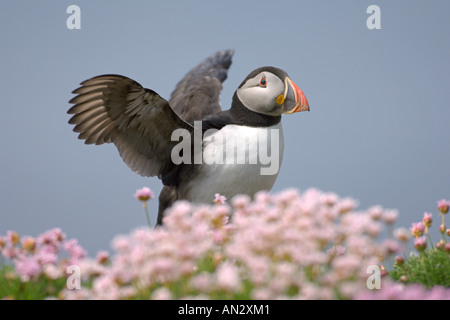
point(12, 287)
point(430, 268)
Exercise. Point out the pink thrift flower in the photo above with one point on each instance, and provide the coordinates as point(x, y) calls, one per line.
point(443, 206)
point(330, 199)
point(346, 266)
point(121, 243)
point(402, 234)
point(228, 276)
point(46, 255)
point(102, 257)
point(52, 238)
point(417, 229)
point(376, 212)
point(52, 271)
point(75, 251)
point(336, 251)
point(144, 194)
point(27, 267)
point(399, 260)
point(201, 281)
point(10, 252)
point(441, 244)
point(390, 216)
point(391, 246)
point(420, 243)
point(29, 244)
point(162, 294)
point(241, 201)
point(219, 199)
point(427, 220)
point(347, 205)
point(13, 237)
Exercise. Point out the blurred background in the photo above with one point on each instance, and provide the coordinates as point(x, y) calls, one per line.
point(378, 130)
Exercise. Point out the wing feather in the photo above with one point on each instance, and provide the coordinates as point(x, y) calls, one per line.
point(197, 95)
point(114, 108)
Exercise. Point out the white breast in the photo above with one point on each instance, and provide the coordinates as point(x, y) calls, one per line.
point(237, 160)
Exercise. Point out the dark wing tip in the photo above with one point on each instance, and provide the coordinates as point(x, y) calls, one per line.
point(197, 95)
point(217, 64)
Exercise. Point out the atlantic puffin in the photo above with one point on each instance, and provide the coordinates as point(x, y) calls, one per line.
point(113, 108)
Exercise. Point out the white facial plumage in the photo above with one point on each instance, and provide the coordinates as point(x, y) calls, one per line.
point(260, 93)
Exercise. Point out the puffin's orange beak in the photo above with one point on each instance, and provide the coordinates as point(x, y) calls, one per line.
point(294, 98)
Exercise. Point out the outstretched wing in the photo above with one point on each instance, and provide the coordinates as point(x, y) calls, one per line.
point(197, 95)
point(114, 108)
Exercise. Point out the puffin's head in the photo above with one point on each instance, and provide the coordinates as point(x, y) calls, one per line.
point(270, 91)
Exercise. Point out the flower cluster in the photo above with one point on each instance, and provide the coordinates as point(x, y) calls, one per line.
point(431, 266)
point(313, 245)
point(33, 257)
point(420, 230)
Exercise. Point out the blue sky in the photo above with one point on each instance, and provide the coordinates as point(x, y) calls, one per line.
point(378, 129)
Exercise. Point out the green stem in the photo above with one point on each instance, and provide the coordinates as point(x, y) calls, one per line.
point(443, 223)
point(429, 239)
point(147, 215)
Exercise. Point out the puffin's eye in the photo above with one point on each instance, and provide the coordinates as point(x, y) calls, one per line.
point(263, 82)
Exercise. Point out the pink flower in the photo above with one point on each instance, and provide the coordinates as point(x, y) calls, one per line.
point(102, 257)
point(346, 205)
point(27, 267)
point(346, 265)
point(121, 243)
point(52, 271)
point(441, 244)
point(420, 243)
point(12, 237)
point(241, 201)
point(376, 212)
point(75, 251)
point(330, 199)
point(427, 220)
point(162, 294)
point(390, 216)
point(144, 194)
point(417, 229)
point(402, 234)
point(443, 206)
point(46, 255)
point(391, 246)
point(336, 251)
point(219, 199)
point(52, 238)
point(228, 276)
point(28, 244)
point(201, 281)
point(399, 260)
point(10, 252)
